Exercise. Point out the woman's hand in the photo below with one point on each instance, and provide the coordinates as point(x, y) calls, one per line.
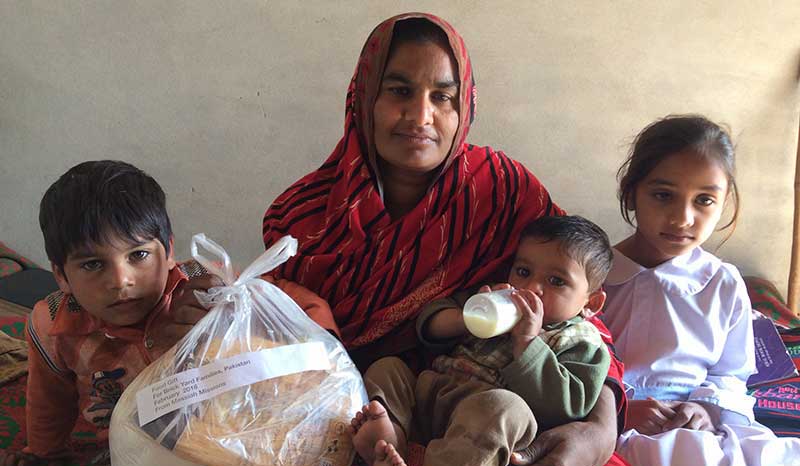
point(185, 307)
point(579, 443)
point(648, 416)
point(692, 415)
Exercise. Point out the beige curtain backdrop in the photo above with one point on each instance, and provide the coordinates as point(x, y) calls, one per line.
point(228, 102)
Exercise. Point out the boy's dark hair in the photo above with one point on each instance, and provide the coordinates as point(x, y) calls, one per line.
point(94, 200)
point(580, 239)
point(671, 135)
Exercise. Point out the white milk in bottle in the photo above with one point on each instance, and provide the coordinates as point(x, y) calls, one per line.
point(490, 314)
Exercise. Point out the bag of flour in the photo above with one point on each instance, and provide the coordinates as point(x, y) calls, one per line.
point(255, 382)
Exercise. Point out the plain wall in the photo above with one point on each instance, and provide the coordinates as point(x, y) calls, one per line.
point(227, 103)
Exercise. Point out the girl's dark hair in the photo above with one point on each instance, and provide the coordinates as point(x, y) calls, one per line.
point(671, 135)
point(97, 202)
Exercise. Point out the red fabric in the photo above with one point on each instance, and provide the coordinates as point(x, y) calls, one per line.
point(12, 262)
point(315, 307)
point(615, 371)
point(766, 298)
point(616, 460)
point(12, 411)
point(85, 443)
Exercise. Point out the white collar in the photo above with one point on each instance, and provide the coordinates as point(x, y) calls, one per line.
point(682, 275)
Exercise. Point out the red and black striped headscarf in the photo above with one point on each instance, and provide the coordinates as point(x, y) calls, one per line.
point(377, 272)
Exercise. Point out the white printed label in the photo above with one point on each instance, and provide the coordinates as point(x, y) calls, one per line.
point(202, 383)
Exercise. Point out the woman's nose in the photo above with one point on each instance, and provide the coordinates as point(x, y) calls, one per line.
point(420, 109)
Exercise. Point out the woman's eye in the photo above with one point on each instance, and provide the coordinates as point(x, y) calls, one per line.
point(556, 281)
point(523, 272)
point(399, 91)
point(138, 256)
point(92, 266)
point(662, 195)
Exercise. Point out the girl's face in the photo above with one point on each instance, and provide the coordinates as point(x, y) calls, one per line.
point(416, 112)
point(677, 206)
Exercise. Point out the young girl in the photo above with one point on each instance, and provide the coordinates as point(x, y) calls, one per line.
point(681, 316)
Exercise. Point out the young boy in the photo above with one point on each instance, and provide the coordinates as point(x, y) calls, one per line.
point(109, 241)
point(477, 405)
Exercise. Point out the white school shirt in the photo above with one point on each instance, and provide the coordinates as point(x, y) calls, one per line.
point(683, 329)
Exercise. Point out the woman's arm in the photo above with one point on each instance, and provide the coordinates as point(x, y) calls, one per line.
point(581, 443)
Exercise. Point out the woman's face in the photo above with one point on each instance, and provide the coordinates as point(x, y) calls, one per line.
point(416, 111)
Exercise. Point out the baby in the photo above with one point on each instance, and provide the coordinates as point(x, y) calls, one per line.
point(476, 406)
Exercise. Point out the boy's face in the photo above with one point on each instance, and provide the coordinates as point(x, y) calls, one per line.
point(117, 282)
point(558, 280)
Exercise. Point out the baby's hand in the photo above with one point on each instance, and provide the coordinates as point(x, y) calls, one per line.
point(499, 286)
point(530, 324)
point(648, 416)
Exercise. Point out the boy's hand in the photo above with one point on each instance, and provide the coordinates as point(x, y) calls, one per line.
point(185, 307)
point(648, 416)
point(530, 324)
point(691, 415)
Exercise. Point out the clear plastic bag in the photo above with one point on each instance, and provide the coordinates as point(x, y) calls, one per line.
point(255, 382)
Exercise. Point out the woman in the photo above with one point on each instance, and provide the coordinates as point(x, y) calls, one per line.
point(404, 211)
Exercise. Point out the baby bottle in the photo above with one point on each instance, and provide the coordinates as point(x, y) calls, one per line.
point(490, 314)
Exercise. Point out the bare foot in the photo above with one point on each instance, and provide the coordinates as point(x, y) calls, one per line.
point(386, 455)
point(369, 426)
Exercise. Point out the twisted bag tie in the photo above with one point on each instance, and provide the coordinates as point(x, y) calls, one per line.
point(236, 289)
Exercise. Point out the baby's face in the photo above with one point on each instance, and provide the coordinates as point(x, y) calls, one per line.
point(119, 282)
point(558, 280)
